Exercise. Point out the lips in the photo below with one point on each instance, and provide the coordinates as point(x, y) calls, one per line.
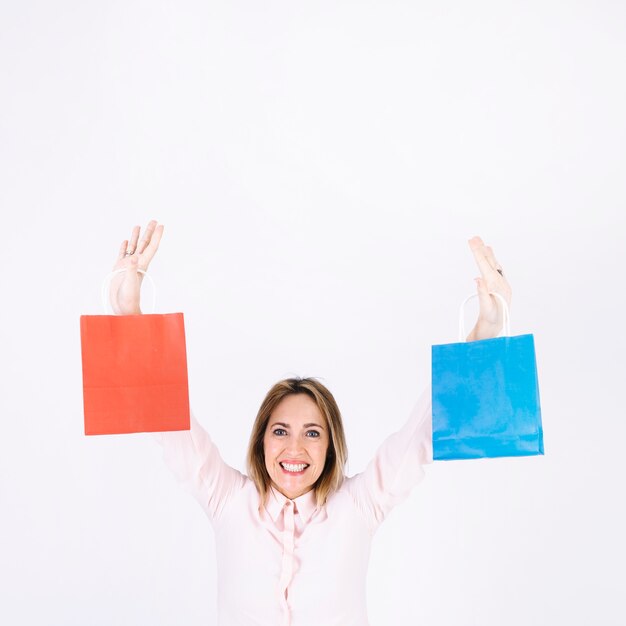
point(294, 468)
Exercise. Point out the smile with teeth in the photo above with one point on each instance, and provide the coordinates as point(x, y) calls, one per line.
point(294, 468)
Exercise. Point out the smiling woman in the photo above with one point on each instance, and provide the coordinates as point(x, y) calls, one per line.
point(293, 536)
point(295, 447)
point(297, 441)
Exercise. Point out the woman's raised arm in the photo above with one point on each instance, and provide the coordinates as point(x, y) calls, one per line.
point(196, 463)
point(190, 454)
point(398, 463)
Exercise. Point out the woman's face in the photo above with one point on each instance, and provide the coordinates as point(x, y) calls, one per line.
point(295, 444)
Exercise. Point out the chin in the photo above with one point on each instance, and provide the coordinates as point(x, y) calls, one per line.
point(291, 492)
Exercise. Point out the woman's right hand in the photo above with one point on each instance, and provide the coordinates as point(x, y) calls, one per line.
point(133, 255)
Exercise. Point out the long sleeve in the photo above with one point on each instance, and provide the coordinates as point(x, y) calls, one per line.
point(196, 462)
point(397, 465)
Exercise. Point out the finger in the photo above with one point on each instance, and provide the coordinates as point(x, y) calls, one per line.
point(131, 279)
point(502, 283)
point(478, 246)
point(153, 246)
point(484, 297)
point(132, 244)
point(145, 240)
point(122, 251)
point(478, 250)
point(492, 259)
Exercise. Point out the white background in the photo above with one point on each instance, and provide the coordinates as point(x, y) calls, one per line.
point(319, 168)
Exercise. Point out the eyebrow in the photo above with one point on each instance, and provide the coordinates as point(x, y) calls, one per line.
point(304, 425)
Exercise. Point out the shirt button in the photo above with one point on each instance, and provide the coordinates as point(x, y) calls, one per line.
point(288, 503)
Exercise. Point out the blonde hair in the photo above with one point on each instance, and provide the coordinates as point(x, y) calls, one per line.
point(336, 456)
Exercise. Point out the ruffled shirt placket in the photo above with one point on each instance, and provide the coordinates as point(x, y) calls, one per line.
point(286, 520)
point(287, 565)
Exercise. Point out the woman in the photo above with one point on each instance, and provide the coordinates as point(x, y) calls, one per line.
point(293, 536)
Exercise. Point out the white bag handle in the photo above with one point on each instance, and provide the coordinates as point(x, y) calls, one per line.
point(507, 316)
point(106, 286)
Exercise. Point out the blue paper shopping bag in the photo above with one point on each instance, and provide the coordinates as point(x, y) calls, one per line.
point(486, 397)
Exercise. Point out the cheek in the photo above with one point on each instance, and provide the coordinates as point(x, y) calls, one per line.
point(270, 450)
point(319, 454)
point(266, 451)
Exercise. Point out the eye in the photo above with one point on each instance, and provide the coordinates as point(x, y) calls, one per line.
point(279, 431)
point(313, 433)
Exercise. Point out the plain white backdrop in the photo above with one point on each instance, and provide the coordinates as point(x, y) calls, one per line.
point(319, 168)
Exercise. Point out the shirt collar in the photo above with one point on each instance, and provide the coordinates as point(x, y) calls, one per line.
point(306, 504)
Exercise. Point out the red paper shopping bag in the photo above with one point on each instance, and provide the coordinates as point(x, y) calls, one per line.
point(134, 373)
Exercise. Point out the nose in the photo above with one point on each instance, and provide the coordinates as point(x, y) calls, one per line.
point(294, 446)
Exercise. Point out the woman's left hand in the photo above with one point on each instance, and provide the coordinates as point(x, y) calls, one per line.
point(491, 316)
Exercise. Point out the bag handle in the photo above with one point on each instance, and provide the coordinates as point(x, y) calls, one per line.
point(106, 287)
point(507, 316)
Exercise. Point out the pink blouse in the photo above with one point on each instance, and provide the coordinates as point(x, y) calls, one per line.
point(290, 563)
